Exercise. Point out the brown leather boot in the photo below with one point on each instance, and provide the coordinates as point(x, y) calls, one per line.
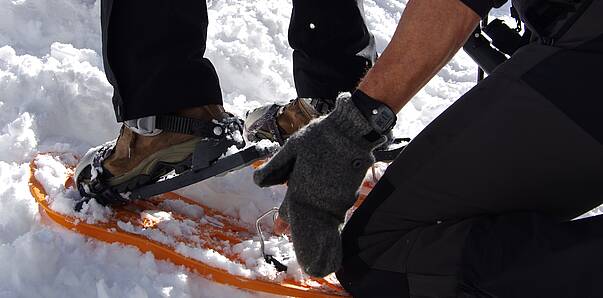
point(295, 115)
point(136, 154)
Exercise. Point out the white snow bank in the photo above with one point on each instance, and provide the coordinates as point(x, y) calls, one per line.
point(32, 26)
point(247, 42)
point(17, 209)
point(50, 262)
point(60, 97)
point(52, 173)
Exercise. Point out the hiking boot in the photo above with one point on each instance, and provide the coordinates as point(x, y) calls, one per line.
point(136, 154)
point(109, 172)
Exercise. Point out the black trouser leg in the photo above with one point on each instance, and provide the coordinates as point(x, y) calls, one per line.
point(528, 255)
point(153, 56)
point(526, 139)
point(332, 47)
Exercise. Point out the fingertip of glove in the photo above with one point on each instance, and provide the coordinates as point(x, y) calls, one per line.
point(322, 269)
point(316, 241)
point(259, 177)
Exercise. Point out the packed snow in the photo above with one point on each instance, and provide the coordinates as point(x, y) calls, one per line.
point(54, 97)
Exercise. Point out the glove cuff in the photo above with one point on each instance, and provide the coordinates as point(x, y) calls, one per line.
point(352, 124)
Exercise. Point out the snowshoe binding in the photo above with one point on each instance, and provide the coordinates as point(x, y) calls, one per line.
point(277, 122)
point(200, 156)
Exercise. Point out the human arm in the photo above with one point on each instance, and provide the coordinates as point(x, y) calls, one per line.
point(424, 41)
point(429, 33)
point(324, 163)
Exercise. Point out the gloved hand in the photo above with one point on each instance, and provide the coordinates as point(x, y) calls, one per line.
point(324, 164)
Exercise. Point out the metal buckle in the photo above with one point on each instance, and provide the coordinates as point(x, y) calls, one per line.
point(143, 126)
point(270, 259)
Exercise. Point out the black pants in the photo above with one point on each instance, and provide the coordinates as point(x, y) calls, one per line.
point(479, 203)
point(153, 53)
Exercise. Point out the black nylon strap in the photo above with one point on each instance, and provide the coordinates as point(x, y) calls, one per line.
point(189, 126)
point(381, 122)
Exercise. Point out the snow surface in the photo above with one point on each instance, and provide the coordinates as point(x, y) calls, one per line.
point(54, 97)
point(163, 224)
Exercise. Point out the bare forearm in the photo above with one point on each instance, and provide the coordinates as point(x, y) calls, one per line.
point(429, 33)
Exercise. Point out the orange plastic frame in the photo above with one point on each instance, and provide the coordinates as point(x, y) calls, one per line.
point(160, 252)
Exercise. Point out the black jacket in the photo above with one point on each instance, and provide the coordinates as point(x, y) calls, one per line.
point(545, 18)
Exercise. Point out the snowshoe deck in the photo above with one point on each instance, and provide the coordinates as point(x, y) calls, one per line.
point(144, 223)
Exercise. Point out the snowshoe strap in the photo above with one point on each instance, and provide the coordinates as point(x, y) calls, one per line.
point(267, 122)
point(96, 187)
point(280, 267)
point(322, 105)
point(215, 129)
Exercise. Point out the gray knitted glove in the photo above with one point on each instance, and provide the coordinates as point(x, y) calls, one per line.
point(324, 164)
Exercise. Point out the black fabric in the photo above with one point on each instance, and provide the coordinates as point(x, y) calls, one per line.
point(512, 255)
point(361, 281)
point(530, 255)
point(505, 39)
point(326, 37)
point(379, 115)
point(549, 19)
point(578, 91)
point(482, 196)
point(483, 53)
point(354, 228)
point(544, 17)
point(366, 104)
point(500, 149)
point(482, 7)
point(153, 54)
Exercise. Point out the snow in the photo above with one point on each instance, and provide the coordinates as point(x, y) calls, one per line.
point(54, 97)
point(163, 227)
